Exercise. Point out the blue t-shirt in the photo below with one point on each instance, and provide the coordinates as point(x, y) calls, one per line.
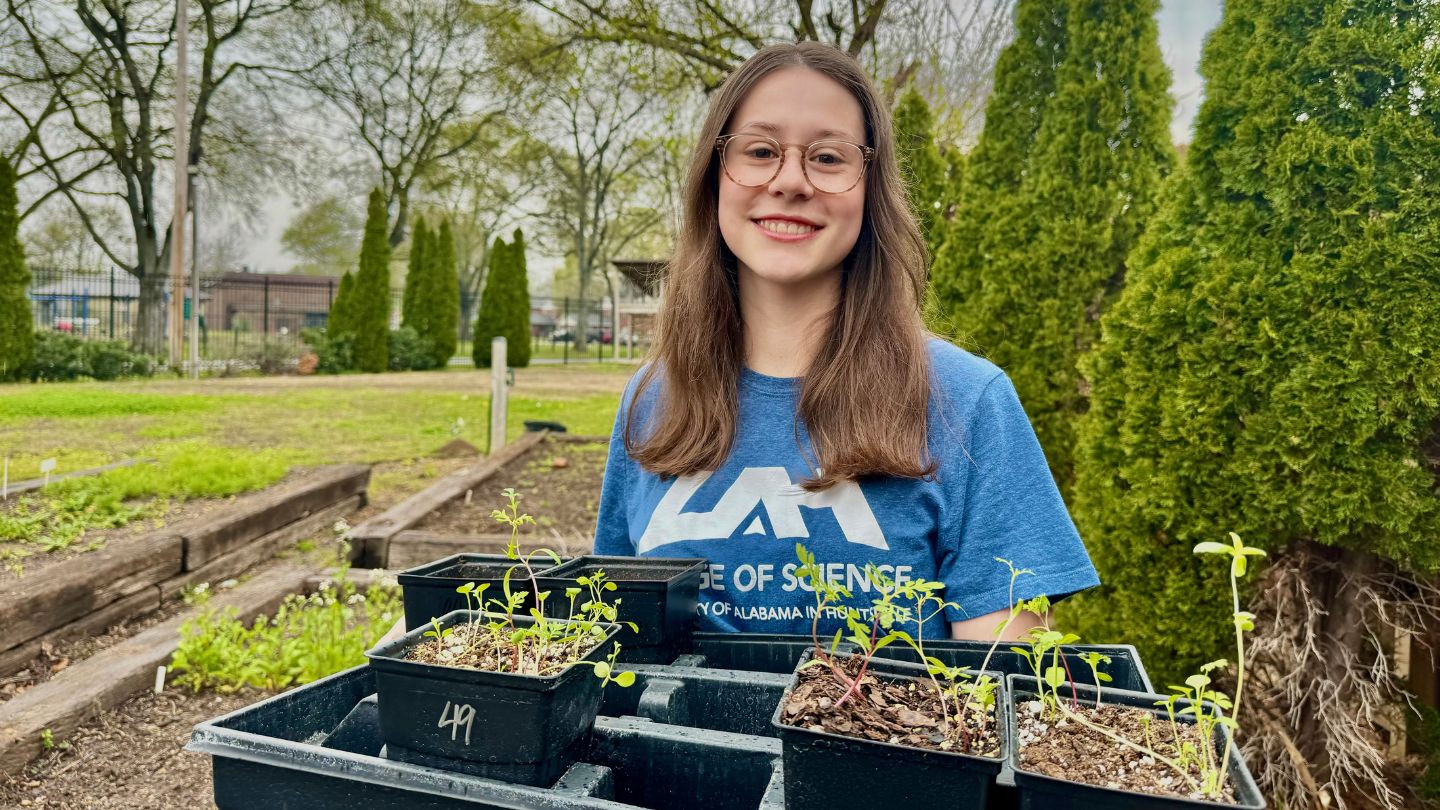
point(991, 496)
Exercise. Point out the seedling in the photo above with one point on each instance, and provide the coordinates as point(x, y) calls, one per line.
point(1197, 691)
point(891, 611)
point(546, 646)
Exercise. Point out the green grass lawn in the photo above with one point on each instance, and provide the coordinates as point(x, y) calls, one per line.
point(292, 420)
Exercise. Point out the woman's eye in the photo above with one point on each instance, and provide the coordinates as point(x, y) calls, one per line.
point(761, 153)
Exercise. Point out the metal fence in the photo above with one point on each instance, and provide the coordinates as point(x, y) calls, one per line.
point(241, 314)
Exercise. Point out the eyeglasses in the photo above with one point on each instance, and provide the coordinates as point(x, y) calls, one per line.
point(832, 167)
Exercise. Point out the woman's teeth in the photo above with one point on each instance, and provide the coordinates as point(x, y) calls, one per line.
point(786, 227)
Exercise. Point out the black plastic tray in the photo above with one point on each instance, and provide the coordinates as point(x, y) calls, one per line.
point(319, 746)
point(692, 733)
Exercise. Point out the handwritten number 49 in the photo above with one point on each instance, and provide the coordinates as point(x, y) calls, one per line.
point(463, 715)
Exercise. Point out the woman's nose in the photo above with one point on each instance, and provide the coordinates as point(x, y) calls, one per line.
point(792, 179)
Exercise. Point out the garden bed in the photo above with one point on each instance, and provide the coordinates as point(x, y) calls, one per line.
point(559, 482)
point(21, 560)
point(557, 475)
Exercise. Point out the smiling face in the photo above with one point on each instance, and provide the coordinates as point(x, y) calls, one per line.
point(786, 232)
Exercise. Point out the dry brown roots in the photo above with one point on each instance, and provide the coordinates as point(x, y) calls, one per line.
point(1321, 680)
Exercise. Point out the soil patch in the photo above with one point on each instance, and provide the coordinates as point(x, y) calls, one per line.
point(894, 710)
point(129, 757)
point(1065, 749)
point(559, 484)
point(476, 647)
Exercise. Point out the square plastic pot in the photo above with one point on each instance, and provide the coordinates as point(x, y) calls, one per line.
point(429, 590)
point(660, 595)
point(489, 718)
point(1124, 669)
point(1036, 791)
point(827, 771)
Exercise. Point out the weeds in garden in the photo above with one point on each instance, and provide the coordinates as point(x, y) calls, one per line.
point(308, 638)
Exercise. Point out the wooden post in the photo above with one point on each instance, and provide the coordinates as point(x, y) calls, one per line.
point(499, 360)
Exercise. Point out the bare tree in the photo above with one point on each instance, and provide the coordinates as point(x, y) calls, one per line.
point(948, 48)
point(418, 81)
point(606, 155)
point(92, 86)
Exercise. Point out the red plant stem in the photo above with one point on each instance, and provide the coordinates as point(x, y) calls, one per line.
point(864, 665)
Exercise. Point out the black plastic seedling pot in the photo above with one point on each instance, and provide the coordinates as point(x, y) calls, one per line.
point(826, 771)
point(502, 722)
point(1039, 792)
point(773, 652)
point(429, 590)
point(659, 595)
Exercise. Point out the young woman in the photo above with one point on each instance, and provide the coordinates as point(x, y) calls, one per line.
point(793, 394)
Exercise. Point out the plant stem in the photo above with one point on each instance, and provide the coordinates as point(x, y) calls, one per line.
point(864, 664)
point(1239, 683)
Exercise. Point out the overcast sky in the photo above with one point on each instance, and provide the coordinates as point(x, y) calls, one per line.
point(1183, 26)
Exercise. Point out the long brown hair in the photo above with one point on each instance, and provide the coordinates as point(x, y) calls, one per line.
point(864, 396)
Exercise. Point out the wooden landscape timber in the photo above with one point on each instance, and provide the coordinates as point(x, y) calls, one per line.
point(90, 592)
point(371, 539)
point(83, 690)
point(22, 487)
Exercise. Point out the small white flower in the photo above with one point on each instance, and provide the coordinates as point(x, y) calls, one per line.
point(341, 526)
point(355, 599)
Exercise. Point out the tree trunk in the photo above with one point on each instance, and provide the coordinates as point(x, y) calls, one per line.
point(149, 334)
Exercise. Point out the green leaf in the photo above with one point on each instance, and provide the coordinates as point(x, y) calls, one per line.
point(625, 678)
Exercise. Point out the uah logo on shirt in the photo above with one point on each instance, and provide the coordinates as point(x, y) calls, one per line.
point(771, 488)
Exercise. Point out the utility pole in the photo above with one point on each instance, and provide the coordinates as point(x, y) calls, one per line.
point(194, 274)
point(182, 181)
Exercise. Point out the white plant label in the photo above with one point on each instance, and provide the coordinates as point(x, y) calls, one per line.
point(5, 486)
point(463, 715)
point(47, 466)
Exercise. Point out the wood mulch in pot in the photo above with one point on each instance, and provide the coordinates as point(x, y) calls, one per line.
point(893, 710)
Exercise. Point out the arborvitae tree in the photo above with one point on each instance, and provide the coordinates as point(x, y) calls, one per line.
point(519, 326)
point(1271, 367)
point(488, 320)
point(340, 321)
point(505, 305)
point(17, 338)
point(417, 278)
point(1024, 84)
point(1095, 170)
point(926, 172)
point(370, 307)
point(443, 323)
